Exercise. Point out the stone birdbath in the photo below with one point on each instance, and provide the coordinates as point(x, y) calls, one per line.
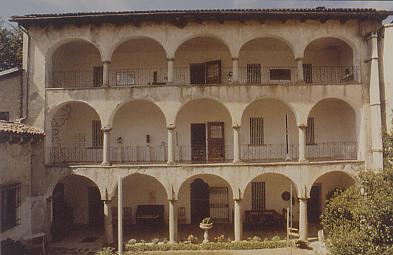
point(205, 225)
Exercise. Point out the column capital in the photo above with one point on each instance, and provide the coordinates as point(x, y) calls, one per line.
point(173, 200)
point(171, 127)
point(170, 59)
point(106, 62)
point(106, 129)
point(235, 58)
point(106, 201)
point(236, 126)
point(302, 126)
point(299, 59)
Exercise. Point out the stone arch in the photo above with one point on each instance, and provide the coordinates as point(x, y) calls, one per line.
point(57, 44)
point(118, 43)
point(348, 173)
point(192, 36)
point(119, 106)
point(189, 101)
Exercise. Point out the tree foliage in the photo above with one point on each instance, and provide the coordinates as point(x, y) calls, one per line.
point(360, 219)
point(10, 47)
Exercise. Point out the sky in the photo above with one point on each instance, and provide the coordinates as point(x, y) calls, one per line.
point(9, 8)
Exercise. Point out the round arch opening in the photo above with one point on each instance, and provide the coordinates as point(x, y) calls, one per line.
point(138, 61)
point(139, 133)
point(203, 60)
point(269, 131)
point(204, 132)
point(75, 64)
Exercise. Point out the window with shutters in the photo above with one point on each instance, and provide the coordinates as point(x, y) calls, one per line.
point(10, 206)
point(5, 116)
point(97, 135)
point(253, 73)
point(310, 137)
point(258, 196)
point(256, 131)
point(97, 76)
point(280, 74)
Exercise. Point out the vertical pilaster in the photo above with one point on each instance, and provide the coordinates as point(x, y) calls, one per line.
point(170, 70)
point(302, 143)
point(235, 69)
point(105, 73)
point(238, 223)
point(375, 105)
point(300, 74)
point(303, 221)
point(236, 144)
point(172, 221)
point(106, 147)
point(108, 221)
point(171, 145)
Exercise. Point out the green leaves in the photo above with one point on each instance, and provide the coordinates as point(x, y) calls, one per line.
point(10, 47)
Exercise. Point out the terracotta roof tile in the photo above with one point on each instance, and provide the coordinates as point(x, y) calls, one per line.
point(19, 128)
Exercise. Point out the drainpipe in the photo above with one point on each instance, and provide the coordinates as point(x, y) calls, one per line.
point(23, 118)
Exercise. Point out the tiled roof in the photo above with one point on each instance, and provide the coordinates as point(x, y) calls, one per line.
point(9, 127)
point(311, 13)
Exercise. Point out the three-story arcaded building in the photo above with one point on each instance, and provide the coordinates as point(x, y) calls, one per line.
point(201, 113)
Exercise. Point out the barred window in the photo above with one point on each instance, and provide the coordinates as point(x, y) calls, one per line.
point(310, 138)
point(10, 206)
point(253, 73)
point(97, 135)
point(256, 131)
point(5, 116)
point(280, 74)
point(258, 196)
point(97, 76)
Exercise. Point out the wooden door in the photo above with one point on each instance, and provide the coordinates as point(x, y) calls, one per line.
point(198, 142)
point(96, 207)
point(197, 73)
point(213, 72)
point(199, 194)
point(307, 73)
point(219, 205)
point(215, 141)
point(314, 204)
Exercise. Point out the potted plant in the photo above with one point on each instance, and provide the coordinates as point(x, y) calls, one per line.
point(206, 224)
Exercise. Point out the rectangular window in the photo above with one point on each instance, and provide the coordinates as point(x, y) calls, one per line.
point(280, 74)
point(310, 138)
point(5, 116)
point(10, 206)
point(253, 73)
point(256, 131)
point(125, 78)
point(97, 134)
point(258, 196)
point(97, 76)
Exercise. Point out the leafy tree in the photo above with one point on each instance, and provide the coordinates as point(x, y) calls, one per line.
point(10, 47)
point(360, 219)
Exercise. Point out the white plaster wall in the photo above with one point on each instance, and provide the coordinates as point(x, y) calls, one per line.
point(203, 111)
point(10, 95)
point(275, 185)
point(328, 52)
point(334, 121)
point(273, 113)
point(332, 181)
point(212, 181)
point(142, 190)
point(15, 168)
point(386, 63)
point(75, 127)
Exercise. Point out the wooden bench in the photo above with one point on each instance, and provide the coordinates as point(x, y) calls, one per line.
point(150, 214)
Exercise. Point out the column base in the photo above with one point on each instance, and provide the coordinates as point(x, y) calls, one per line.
point(106, 164)
point(303, 161)
point(171, 163)
point(238, 161)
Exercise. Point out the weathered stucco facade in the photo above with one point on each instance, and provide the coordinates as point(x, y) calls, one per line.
point(312, 82)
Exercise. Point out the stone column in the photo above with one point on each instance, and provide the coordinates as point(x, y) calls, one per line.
point(105, 73)
point(375, 105)
point(302, 143)
point(236, 144)
point(170, 70)
point(238, 223)
point(235, 69)
point(172, 221)
point(108, 221)
point(303, 221)
point(120, 215)
point(106, 161)
point(300, 74)
point(171, 145)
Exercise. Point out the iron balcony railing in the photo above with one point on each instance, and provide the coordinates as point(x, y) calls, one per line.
point(69, 155)
point(202, 154)
point(269, 152)
point(139, 154)
point(251, 75)
point(332, 151)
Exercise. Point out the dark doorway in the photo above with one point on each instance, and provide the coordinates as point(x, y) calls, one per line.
point(197, 73)
point(199, 194)
point(206, 73)
point(215, 141)
point(314, 204)
point(96, 207)
point(198, 142)
point(307, 73)
point(60, 219)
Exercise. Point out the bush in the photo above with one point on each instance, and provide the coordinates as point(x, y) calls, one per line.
point(106, 251)
point(360, 219)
